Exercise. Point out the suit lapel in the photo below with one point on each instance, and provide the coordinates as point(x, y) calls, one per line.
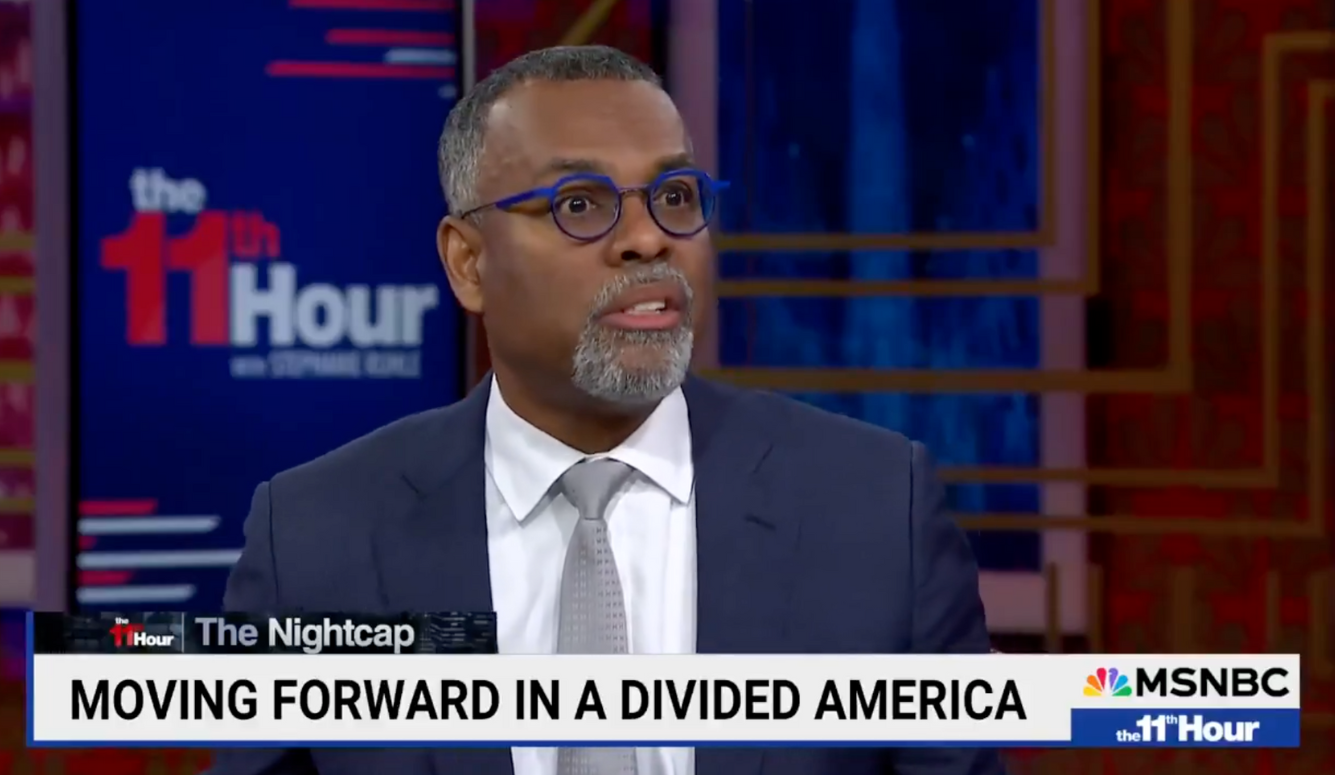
point(744, 544)
point(432, 553)
point(431, 548)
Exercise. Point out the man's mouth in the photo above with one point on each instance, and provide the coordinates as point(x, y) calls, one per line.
point(654, 307)
point(647, 307)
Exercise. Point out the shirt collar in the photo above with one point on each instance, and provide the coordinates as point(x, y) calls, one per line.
point(525, 462)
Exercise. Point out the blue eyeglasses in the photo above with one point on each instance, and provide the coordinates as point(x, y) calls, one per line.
point(587, 207)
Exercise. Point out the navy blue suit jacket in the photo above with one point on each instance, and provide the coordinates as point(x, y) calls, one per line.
point(815, 534)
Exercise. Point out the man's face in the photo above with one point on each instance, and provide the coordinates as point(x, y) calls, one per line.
point(557, 308)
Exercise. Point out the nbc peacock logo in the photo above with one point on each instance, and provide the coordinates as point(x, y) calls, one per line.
point(1107, 682)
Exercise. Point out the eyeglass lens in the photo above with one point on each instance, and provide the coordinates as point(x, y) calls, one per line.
point(587, 208)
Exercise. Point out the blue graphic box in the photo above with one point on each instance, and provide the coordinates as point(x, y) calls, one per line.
point(255, 202)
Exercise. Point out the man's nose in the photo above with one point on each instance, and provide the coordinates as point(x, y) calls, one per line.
point(637, 236)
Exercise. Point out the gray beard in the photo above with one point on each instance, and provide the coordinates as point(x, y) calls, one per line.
point(599, 369)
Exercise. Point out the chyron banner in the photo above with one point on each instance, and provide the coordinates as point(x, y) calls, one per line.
point(257, 284)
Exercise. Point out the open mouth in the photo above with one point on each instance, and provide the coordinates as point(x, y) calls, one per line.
point(653, 307)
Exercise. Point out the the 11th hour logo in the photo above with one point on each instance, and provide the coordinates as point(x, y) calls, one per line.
point(244, 296)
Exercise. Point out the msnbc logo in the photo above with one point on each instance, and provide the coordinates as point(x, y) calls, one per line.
point(1107, 683)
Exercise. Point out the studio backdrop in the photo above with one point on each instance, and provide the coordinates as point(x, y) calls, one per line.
point(255, 201)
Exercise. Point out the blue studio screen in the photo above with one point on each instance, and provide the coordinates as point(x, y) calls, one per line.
point(255, 202)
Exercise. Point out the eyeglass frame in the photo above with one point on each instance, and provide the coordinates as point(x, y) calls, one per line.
point(550, 193)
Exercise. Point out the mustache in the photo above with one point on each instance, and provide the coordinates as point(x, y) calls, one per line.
point(643, 275)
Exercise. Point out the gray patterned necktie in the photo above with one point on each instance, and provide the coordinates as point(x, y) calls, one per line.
point(593, 609)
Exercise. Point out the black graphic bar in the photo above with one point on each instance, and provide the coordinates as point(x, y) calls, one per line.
point(305, 633)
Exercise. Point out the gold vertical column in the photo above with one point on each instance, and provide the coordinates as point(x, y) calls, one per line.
point(1094, 608)
point(1181, 607)
point(1052, 615)
point(1274, 603)
point(1321, 650)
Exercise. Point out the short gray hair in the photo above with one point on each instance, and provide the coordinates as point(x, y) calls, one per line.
point(459, 153)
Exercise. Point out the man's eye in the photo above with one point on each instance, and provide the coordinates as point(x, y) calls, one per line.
point(677, 195)
point(575, 204)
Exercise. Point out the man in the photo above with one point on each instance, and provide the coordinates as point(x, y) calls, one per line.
point(703, 518)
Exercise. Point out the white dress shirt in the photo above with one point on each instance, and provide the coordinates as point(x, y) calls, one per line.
point(651, 526)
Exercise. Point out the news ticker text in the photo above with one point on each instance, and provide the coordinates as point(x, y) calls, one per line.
point(480, 700)
point(232, 633)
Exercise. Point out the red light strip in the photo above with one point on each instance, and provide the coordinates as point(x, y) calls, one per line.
point(141, 507)
point(375, 5)
point(389, 38)
point(356, 70)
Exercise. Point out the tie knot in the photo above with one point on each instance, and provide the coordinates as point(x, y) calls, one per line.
point(589, 485)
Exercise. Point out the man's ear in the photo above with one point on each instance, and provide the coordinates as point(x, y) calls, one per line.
point(460, 246)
